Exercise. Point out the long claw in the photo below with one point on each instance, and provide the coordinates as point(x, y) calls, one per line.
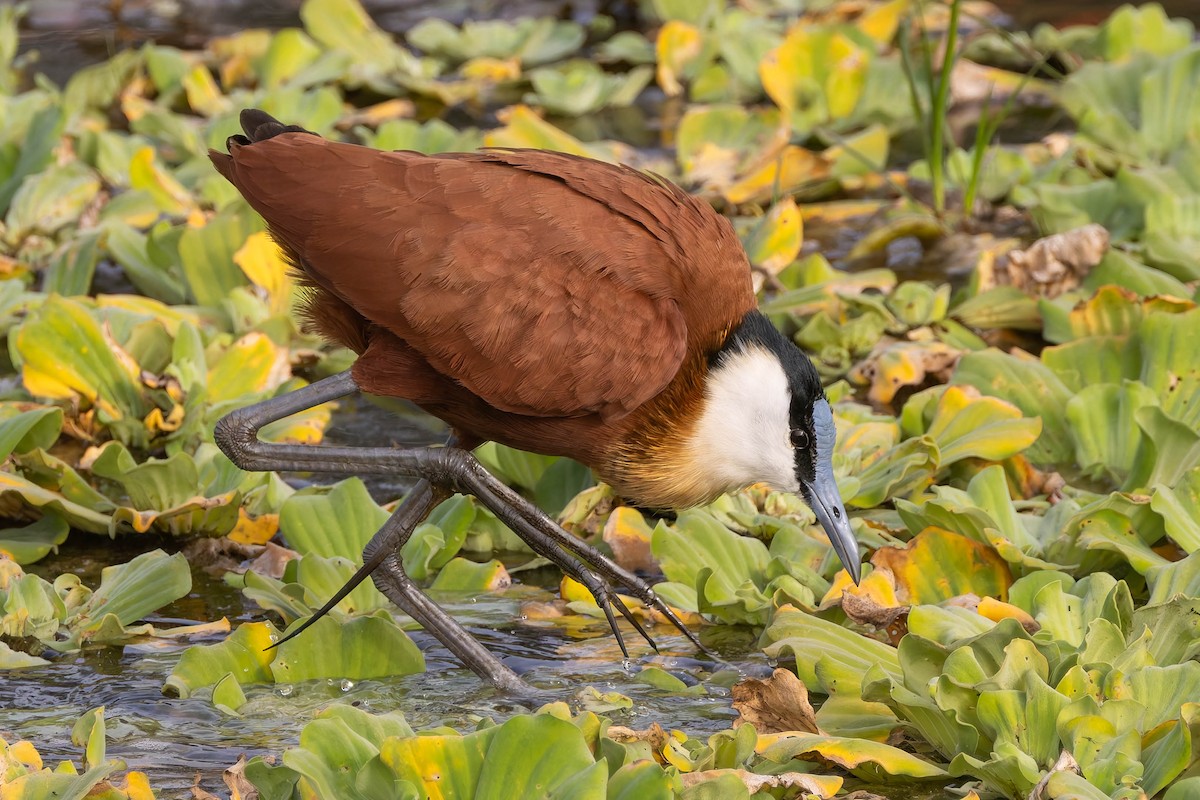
point(602, 599)
point(627, 614)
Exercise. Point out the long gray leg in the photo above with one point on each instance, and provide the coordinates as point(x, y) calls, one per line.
point(382, 561)
point(237, 436)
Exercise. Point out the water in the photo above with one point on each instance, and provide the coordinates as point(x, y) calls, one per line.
point(179, 741)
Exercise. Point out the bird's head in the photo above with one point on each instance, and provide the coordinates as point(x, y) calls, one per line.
point(766, 419)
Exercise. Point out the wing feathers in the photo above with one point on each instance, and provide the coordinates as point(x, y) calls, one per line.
point(545, 284)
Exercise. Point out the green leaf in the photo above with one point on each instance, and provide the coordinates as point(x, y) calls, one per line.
point(896, 473)
point(1031, 387)
point(89, 732)
point(359, 648)
point(580, 87)
point(50, 200)
point(227, 695)
point(32, 542)
point(1168, 366)
point(532, 41)
point(97, 86)
point(243, 654)
point(337, 523)
point(640, 780)
point(1180, 509)
point(726, 570)
point(133, 590)
point(539, 755)
point(1103, 420)
point(44, 131)
point(206, 255)
point(461, 575)
point(829, 658)
point(290, 51)
point(150, 271)
point(343, 26)
point(1168, 450)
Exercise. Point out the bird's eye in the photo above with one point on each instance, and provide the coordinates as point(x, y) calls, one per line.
point(799, 438)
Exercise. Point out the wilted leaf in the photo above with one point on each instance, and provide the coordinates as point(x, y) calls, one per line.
point(1057, 263)
point(937, 565)
point(870, 758)
point(777, 704)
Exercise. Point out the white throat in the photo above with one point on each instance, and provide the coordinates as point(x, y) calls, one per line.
point(743, 433)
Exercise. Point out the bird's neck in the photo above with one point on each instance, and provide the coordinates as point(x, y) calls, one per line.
point(653, 465)
point(709, 431)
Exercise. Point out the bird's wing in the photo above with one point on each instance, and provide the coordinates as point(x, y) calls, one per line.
point(547, 285)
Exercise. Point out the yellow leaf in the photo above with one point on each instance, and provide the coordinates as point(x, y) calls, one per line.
point(238, 70)
point(492, 70)
point(881, 21)
point(996, 610)
point(156, 421)
point(203, 95)
point(264, 264)
point(677, 48)
point(168, 193)
point(254, 530)
point(137, 786)
point(787, 65)
point(846, 752)
point(848, 74)
point(25, 753)
point(815, 68)
point(253, 363)
point(674, 754)
point(524, 128)
point(134, 107)
point(775, 240)
point(303, 427)
point(878, 586)
point(375, 115)
point(573, 591)
point(793, 167)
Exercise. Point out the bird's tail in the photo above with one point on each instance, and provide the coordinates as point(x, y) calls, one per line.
point(259, 126)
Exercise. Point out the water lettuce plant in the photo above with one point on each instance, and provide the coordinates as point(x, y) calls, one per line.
point(1019, 457)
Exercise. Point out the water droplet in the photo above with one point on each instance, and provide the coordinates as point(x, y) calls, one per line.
point(284, 690)
point(346, 684)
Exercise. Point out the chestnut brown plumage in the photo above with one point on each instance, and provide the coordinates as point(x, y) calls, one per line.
point(548, 302)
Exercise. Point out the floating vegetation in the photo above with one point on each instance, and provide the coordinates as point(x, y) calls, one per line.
point(1005, 317)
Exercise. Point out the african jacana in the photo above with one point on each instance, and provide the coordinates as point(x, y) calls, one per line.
point(545, 301)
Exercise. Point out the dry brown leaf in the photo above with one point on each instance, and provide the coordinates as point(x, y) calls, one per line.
point(1066, 763)
point(1058, 263)
point(865, 611)
point(221, 555)
point(272, 561)
point(235, 779)
point(896, 365)
point(655, 736)
point(777, 704)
